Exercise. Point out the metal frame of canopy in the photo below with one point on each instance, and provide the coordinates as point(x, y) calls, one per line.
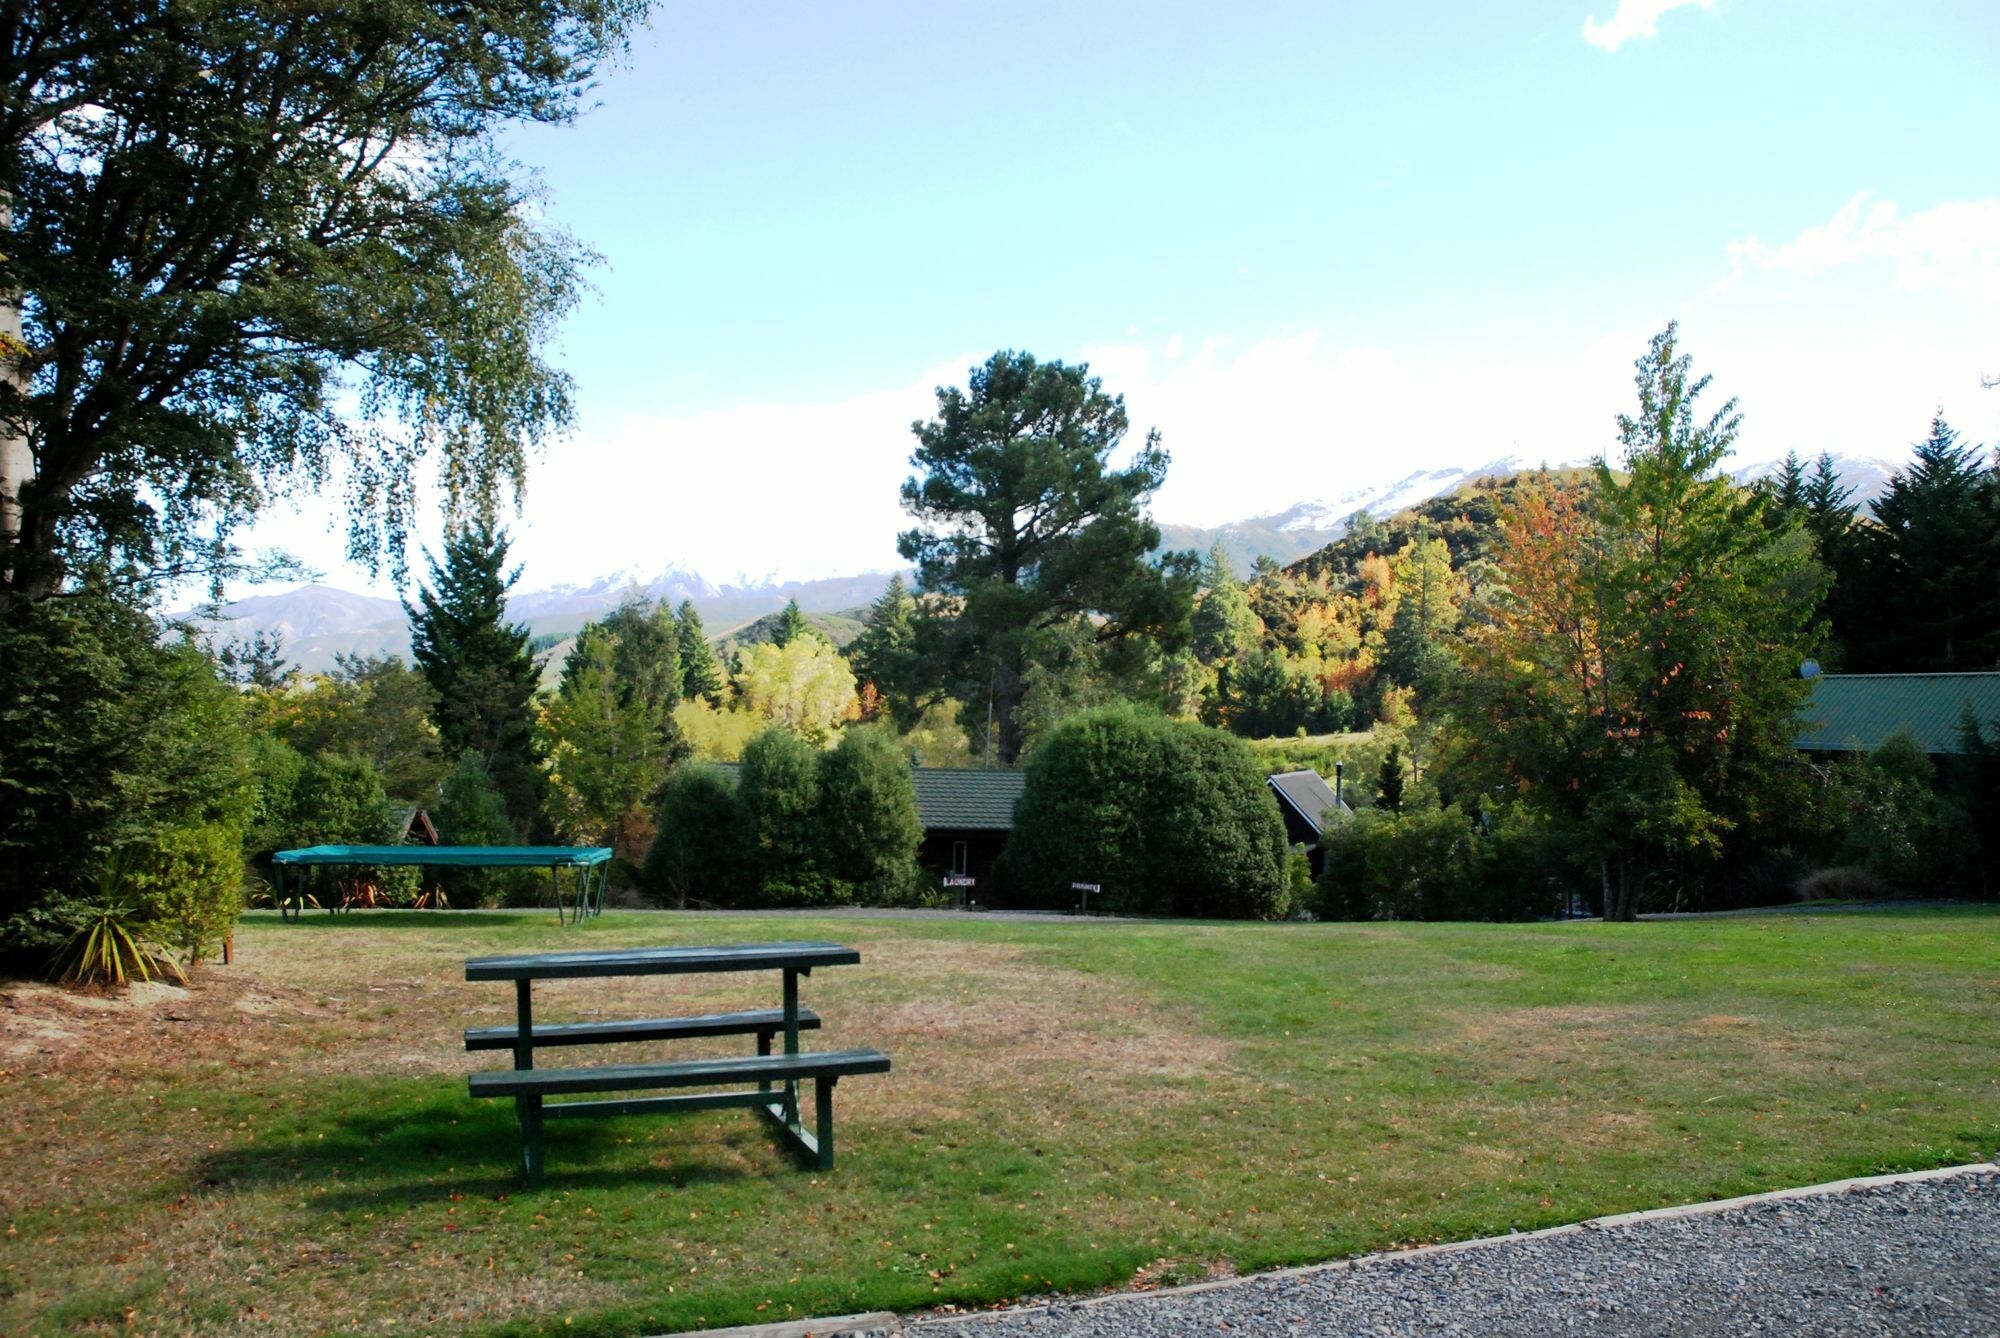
point(592, 865)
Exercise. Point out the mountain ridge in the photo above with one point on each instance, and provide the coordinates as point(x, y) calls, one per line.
point(318, 621)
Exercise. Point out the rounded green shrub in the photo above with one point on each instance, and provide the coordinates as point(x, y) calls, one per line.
point(697, 855)
point(870, 829)
point(1167, 817)
point(778, 794)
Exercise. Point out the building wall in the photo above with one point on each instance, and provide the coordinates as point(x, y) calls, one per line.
point(982, 851)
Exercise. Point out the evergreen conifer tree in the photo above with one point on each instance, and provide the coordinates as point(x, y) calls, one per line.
point(479, 665)
point(1224, 627)
point(885, 652)
point(1828, 516)
point(1788, 489)
point(701, 673)
point(1426, 613)
point(1935, 601)
point(1023, 520)
point(1389, 784)
point(791, 625)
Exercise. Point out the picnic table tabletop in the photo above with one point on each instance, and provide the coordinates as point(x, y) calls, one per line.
point(662, 961)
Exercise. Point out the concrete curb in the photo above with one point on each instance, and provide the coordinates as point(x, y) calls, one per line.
point(809, 1328)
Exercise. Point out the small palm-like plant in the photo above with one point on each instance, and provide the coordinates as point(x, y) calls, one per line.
point(260, 894)
point(109, 946)
point(430, 898)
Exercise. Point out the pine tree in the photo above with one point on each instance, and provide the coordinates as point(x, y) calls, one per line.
point(791, 625)
point(1828, 508)
point(606, 747)
point(1389, 783)
point(885, 652)
point(479, 666)
point(1025, 522)
point(1933, 564)
point(701, 673)
point(1828, 516)
point(1787, 489)
point(1224, 627)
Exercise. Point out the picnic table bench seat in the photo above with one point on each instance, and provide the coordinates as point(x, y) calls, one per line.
point(528, 1087)
point(763, 1023)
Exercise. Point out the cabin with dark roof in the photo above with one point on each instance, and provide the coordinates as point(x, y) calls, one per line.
point(1858, 713)
point(967, 816)
point(1309, 806)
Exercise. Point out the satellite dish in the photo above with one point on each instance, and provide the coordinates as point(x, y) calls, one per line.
point(1810, 669)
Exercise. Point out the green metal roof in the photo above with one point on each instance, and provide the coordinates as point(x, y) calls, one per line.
point(1858, 713)
point(439, 857)
point(952, 799)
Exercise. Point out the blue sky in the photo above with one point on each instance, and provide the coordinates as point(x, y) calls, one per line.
point(1316, 245)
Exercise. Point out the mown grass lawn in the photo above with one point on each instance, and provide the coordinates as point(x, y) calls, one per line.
point(290, 1147)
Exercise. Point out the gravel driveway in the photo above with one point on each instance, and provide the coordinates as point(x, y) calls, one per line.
point(1905, 1257)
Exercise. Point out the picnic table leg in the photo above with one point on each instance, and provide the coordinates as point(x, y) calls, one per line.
point(792, 1044)
point(531, 1137)
point(527, 1109)
point(823, 1111)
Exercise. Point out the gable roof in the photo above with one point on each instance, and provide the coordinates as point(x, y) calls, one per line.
point(1307, 794)
point(1858, 713)
point(961, 799)
point(953, 798)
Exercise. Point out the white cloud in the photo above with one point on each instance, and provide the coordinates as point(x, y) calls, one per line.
point(1254, 429)
point(810, 489)
point(1633, 18)
point(1953, 248)
point(752, 490)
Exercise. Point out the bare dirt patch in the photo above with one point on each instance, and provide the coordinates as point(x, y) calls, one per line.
point(51, 1029)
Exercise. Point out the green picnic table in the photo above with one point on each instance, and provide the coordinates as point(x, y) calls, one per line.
point(777, 1076)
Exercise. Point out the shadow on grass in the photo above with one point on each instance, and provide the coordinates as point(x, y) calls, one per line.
point(435, 1148)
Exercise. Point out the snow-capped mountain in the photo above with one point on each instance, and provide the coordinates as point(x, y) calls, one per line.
point(318, 621)
point(608, 592)
point(1305, 527)
point(1868, 475)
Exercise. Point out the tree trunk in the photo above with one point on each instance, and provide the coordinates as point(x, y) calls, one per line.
point(17, 462)
point(1006, 707)
point(1621, 892)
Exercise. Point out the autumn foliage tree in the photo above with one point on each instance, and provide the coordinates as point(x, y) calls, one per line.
point(1639, 685)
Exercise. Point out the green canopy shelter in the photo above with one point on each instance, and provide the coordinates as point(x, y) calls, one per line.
point(591, 865)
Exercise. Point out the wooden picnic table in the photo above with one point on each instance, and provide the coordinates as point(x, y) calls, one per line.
point(529, 1085)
